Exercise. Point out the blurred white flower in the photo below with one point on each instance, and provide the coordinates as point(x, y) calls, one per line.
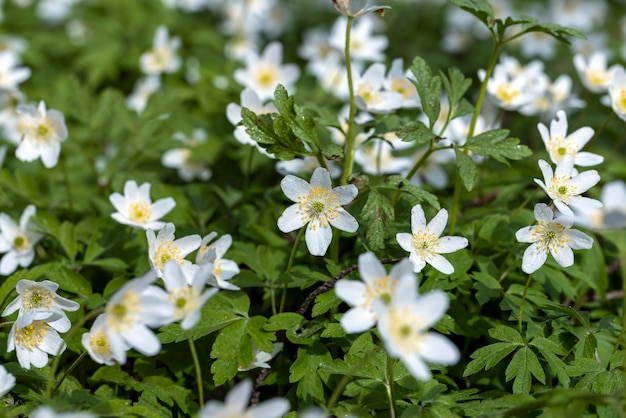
point(144, 88)
point(7, 381)
point(369, 92)
point(612, 214)
point(236, 405)
point(10, 74)
point(47, 412)
point(210, 258)
point(364, 45)
point(261, 358)
point(97, 343)
point(17, 241)
point(617, 93)
point(135, 207)
point(398, 80)
point(42, 133)
point(182, 160)
point(163, 248)
point(593, 72)
point(162, 57)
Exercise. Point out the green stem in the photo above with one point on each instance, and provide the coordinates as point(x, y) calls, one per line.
point(334, 397)
point(50, 386)
point(68, 187)
point(521, 306)
point(389, 387)
point(246, 180)
point(349, 146)
point(601, 128)
point(292, 257)
point(69, 369)
point(196, 365)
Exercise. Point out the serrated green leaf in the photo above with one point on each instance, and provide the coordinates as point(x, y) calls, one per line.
point(479, 8)
point(231, 349)
point(332, 152)
point(284, 321)
point(487, 286)
point(520, 369)
point(507, 334)
point(262, 338)
point(166, 391)
point(557, 31)
point(400, 184)
point(305, 371)
point(467, 169)
point(377, 215)
point(496, 144)
point(487, 357)
point(428, 87)
point(549, 350)
point(456, 85)
point(298, 120)
point(325, 302)
point(416, 131)
point(333, 330)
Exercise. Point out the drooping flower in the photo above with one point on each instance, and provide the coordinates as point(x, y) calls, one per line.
point(39, 301)
point(261, 358)
point(376, 285)
point(236, 405)
point(210, 257)
point(32, 343)
point(163, 248)
point(135, 207)
point(7, 381)
point(425, 243)
point(404, 325)
point(42, 132)
point(565, 189)
point(318, 206)
point(187, 299)
point(97, 343)
point(17, 241)
point(162, 58)
point(357, 8)
point(553, 235)
point(558, 142)
point(130, 312)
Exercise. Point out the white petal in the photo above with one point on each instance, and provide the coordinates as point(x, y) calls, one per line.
point(564, 256)
point(418, 262)
point(416, 367)
point(405, 240)
point(272, 408)
point(357, 320)
point(239, 396)
point(143, 340)
point(344, 221)
point(188, 244)
point(533, 259)
point(290, 220)
point(318, 239)
point(436, 348)
point(543, 212)
point(525, 234)
point(565, 166)
point(441, 264)
point(579, 240)
point(418, 219)
point(451, 244)
point(585, 180)
point(162, 206)
point(321, 177)
point(431, 307)
point(294, 187)
point(370, 268)
point(438, 223)
point(546, 170)
point(351, 291)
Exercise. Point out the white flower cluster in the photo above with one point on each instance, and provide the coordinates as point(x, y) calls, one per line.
point(17, 241)
point(564, 185)
point(40, 319)
point(403, 316)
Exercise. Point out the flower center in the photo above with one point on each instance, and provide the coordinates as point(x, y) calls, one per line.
point(405, 329)
point(122, 315)
point(597, 76)
point(185, 301)
point(37, 298)
point(380, 289)
point(550, 236)
point(621, 100)
point(162, 57)
point(266, 76)
point(99, 343)
point(402, 86)
point(20, 243)
point(425, 243)
point(217, 269)
point(140, 211)
point(167, 251)
point(319, 207)
point(31, 335)
point(561, 189)
point(506, 93)
point(559, 146)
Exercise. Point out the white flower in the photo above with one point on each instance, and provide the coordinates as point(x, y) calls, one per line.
point(357, 8)
point(551, 234)
point(7, 381)
point(42, 133)
point(34, 342)
point(512, 90)
point(162, 248)
point(424, 242)
point(594, 73)
point(364, 46)
point(264, 73)
point(162, 58)
point(3, 153)
point(10, 74)
point(558, 142)
point(319, 206)
point(612, 214)
point(135, 207)
point(376, 157)
point(404, 324)
point(131, 310)
point(187, 299)
point(47, 412)
point(210, 257)
point(97, 343)
point(182, 159)
point(376, 285)
point(144, 88)
point(39, 301)
point(617, 93)
point(237, 401)
point(565, 189)
point(17, 241)
point(261, 358)
point(369, 91)
point(397, 80)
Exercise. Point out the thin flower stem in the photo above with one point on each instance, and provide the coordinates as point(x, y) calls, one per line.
point(521, 305)
point(69, 369)
point(601, 128)
point(389, 387)
point(334, 397)
point(68, 186)
point(349, 149)
point(292, 257)
point(196, 365)
point(50, 386)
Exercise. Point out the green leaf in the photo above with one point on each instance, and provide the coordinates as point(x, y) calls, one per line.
point(456, 85)
point(166, 391)
point(377, 216)
point(416, 131)
point(232, 348)
point(507, 334)
point(261, 337)
point(561, 33)
point(467, 169)
point(325, 302)
point(72, 281)
point(332, 152)
point(428, 88)
point(67, 239)
point(305, 371)
point(489, 356)
point(495, 144)
point(299, 120)
point(488, 287)
point(479, 8)
point(549, 350)
point(523, 364)
point(400, 184)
